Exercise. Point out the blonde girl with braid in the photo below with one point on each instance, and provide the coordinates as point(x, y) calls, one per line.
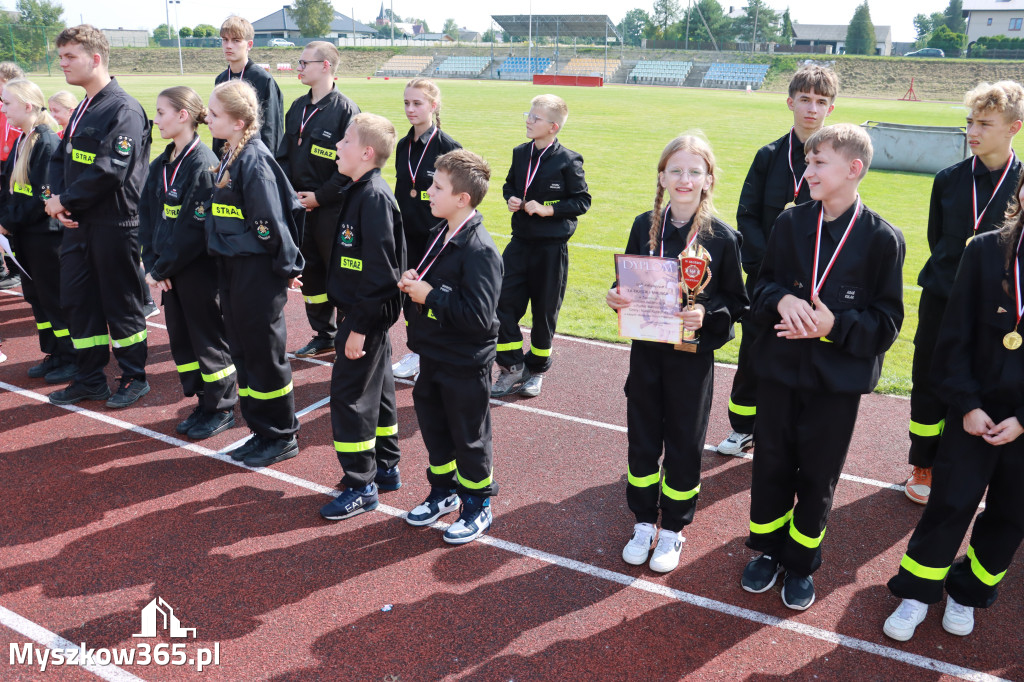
point(253, 227)
point(34, 236)
point(669, 389)
point(415, 155)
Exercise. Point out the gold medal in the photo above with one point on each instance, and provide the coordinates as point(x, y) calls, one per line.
point(412, 193)
point(300, 141)
point(789, 205)
point(1012, 341)
point(968, 240)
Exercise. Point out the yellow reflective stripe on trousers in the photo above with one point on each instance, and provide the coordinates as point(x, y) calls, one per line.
point(188, 367)
point(679, 494)
point(923, 572)
point(643, 481)
point(979, 571)
point(355, 447)
point(319, 298)
point(217, 376)
point(475, 485)
point(509, 346)
point(805, 540)
point(90, 342)
point(771, 526)
point(742, 410)
point(540, 352)
point(130, 340)
point(441, 469)
point(43, 325)
point(927, 430)
point(270, 395)
point(383, 431)
point(60, 333)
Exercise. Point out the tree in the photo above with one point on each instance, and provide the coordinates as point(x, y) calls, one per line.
point(666, 13)
point(451, 29)
point(758, 23)
point(185, 32)
point(632, 26)
point(709, 11)
point(923, 25)
point(860, 36)
point(947, 41)
point(953, 17)
point(787, 32)
point(162, 32)
point(488, 36)
point(313, 17)
point(205, 31)
point(38, 23)
point(391, 17)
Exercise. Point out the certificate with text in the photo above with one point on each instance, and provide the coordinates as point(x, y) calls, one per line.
point(653, 287)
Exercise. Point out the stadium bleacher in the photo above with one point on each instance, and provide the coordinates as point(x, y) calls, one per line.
point(404, 65)
point(465, 67)
point(586, 66)
point(722, 75)
point(519, 68)
point(659, 72)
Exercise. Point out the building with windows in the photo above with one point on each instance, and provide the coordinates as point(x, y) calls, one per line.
point(813, 35)
point(281, 24)
point(994, 18)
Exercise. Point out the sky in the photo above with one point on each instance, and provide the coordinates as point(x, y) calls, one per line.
point(472, 14)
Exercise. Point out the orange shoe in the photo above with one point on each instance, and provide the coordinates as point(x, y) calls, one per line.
point(919, 485)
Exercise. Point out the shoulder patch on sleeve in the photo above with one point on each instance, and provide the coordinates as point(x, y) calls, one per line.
point(262, 229)
point(124, 145)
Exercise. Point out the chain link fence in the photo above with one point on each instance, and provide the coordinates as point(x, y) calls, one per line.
point(30, 47)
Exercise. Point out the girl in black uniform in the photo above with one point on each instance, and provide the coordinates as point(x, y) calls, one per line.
point(668, 391)
point(172, 216)
point(254, 227)
point(415, 155)
point(36, 237)
point(978, 367)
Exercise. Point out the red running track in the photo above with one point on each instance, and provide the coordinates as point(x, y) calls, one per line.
point(104, 511)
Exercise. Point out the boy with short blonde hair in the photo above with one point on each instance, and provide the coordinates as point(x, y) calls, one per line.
point(968, 198)
point(362, 282)
point(546, 192)
point(454, 328)
point(830, 298)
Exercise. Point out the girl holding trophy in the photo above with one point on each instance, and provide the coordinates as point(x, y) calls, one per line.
point(669, 387)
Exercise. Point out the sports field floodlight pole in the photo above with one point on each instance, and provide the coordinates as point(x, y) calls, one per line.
point(181, 62)
point(529, 43)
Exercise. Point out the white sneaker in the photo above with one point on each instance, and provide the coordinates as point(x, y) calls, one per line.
point(666, 554)
point(531, 389)
point(736, 443)
point(958, 619)
point(639, 546)
point(2, 356)
point(408, 366)
point(905, 619)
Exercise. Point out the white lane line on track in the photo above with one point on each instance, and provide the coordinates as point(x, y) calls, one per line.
point(52, 640)
point(810, 631)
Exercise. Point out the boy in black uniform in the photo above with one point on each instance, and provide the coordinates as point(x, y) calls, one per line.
point(236, 36)
point(546, 192)
point(968, 198)
point(454, 328)
point(314, 125)
point(774, 183)
point(368, 260)
point(831, 286)
point(96, 178)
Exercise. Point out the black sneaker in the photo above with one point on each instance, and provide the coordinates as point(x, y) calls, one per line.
point(388, 479)
point(247, 448)
point(760, 574)
point(439, 503)
point(150, 309)
point(128, 393)
point(474, 519)
point(271, 451)
point(62, 374)
point(76, 393)
point(315, 347)
point(10, 281)
point(350, 503)
point(211, 423)
point(797, 591)
point(190, 420)
point(39, 371)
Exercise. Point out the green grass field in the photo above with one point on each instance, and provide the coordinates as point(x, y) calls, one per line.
point(620, 131)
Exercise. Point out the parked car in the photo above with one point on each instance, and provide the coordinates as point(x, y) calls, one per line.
point(281, 42)
point(927, 52)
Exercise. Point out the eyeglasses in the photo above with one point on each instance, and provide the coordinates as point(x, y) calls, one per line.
point(693, 173)
point(303, 63)
point(530, 118)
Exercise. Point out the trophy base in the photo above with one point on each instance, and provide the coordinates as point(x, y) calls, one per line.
point(686, 345)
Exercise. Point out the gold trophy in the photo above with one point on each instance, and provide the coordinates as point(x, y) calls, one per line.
point(695, 267)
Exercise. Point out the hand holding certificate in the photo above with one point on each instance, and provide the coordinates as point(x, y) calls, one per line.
point(652, 286)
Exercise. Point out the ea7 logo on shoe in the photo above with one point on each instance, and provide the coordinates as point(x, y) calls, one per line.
point(170, 622)
point(354, 504)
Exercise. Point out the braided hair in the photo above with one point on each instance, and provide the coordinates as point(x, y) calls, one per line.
point(238, 98)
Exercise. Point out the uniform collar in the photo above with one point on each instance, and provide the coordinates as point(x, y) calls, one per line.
point(837, 227)
point(368, 176)
point(551, 149)
point(422, 139)
point(463, 236)
point(981, 170)
point(323, 101)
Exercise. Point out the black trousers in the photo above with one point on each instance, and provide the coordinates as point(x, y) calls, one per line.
point(927, 411)
point(199, 342)
point(535, 275)
point(802, 440)
point(966, 465)
point(252, 299)
point(743, 397)
point(364, 416)
point(416, 244)
point(39, 254)
point(668, 403)
point(317, 242)
point(454, 413)
point(102, 297)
